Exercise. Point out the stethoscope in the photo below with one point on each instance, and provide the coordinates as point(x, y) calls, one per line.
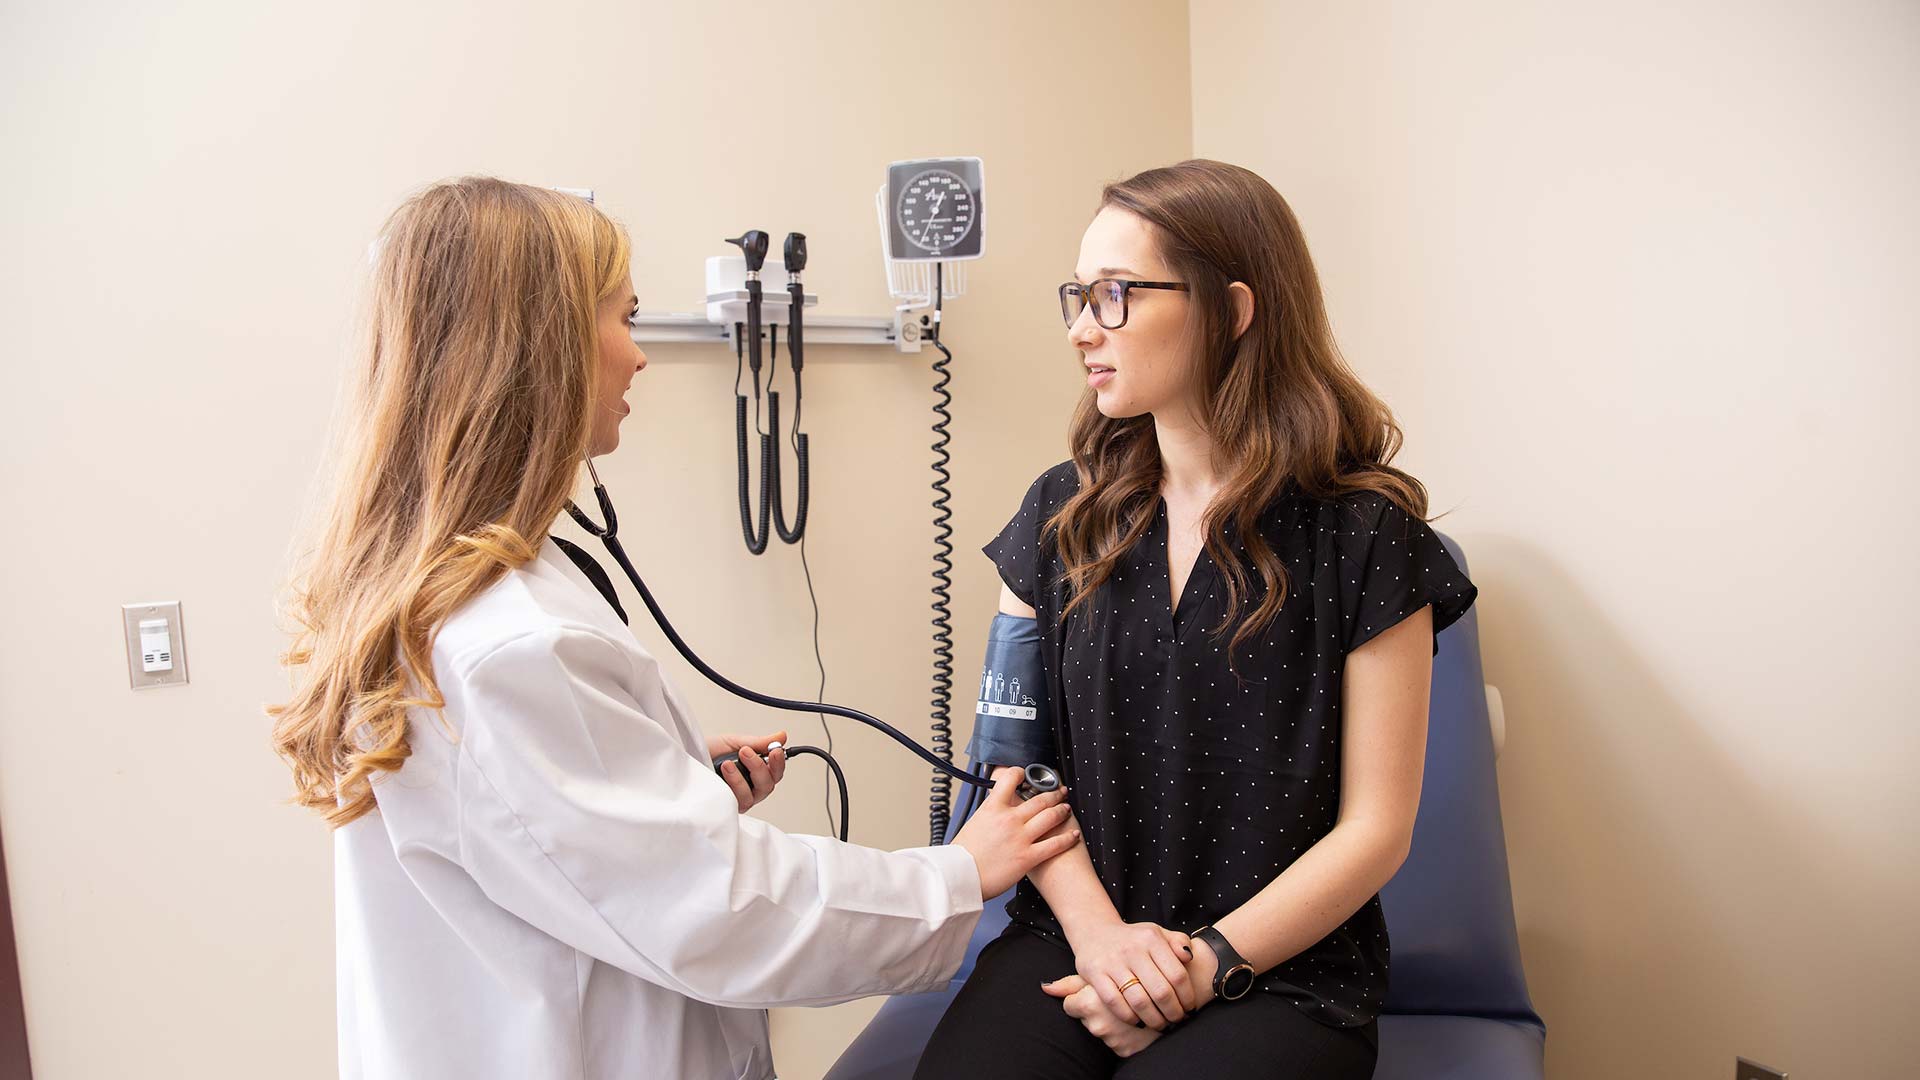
point(1039, 778)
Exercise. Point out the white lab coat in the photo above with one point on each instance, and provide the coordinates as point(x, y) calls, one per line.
point(556, 884)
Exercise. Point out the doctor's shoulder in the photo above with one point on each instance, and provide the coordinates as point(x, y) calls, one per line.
point(513, 622)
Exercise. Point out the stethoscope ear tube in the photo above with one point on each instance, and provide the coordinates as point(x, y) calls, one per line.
point(608, 536)
point(606, 507)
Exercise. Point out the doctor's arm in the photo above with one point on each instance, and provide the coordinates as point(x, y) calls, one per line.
point(585, 817)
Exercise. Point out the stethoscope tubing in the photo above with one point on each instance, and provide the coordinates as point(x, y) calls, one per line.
point(609, 536)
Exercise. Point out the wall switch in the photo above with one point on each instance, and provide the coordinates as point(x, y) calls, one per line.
point(1753, 1070)
point(156, 644)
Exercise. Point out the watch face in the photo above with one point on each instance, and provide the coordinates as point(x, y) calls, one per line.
point(1236, 983)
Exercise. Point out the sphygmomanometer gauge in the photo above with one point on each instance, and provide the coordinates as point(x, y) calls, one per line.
point(936, 209)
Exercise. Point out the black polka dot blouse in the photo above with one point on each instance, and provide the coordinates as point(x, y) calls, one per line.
point(1195, 789)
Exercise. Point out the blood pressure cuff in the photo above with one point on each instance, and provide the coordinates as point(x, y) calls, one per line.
point(1013, 724)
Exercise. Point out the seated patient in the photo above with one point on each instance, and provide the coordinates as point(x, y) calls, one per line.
point(1237, 597)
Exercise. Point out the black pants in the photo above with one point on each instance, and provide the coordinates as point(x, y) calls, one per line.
point(1002, 1026)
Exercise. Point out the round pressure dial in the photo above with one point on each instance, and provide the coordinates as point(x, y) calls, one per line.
point(935, 211)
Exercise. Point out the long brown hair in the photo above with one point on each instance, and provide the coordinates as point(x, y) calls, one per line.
point(1279, 403)
point(466, 423)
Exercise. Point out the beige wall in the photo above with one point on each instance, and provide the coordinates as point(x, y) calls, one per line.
point(1638, 278)
point(1630, 278)
point(189, 195)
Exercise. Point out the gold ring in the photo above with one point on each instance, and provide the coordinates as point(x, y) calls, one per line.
point(1135, 981)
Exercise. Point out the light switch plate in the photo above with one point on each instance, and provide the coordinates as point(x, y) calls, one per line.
point(1753, 1070)
point(132, 615)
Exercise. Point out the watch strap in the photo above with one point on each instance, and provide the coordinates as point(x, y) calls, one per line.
point(1233, 978)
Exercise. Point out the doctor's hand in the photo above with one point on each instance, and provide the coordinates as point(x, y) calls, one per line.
point(1081, 1003)
point(763, 769)
point(1007, 837)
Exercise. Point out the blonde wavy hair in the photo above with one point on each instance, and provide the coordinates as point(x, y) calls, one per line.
point(466, 421)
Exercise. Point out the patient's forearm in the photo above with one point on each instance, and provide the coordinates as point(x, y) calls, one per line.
point(1311, 898)
point(1072, 889)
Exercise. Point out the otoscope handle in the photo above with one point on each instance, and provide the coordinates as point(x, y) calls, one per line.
point(796, 350)
point(753, 329)
point(796, 261)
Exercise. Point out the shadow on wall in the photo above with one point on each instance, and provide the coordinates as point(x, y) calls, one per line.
point(1651, 876)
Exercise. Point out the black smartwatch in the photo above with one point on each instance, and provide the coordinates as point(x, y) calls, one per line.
point(1234, 977)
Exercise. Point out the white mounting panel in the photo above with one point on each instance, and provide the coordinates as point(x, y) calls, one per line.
point(820, 329)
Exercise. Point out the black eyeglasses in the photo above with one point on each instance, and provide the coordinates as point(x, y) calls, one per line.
point(1108, 297)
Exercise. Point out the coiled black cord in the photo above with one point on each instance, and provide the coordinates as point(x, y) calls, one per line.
point(799, 443)
point(796, 352)
point(755, 536)
point(940, 798)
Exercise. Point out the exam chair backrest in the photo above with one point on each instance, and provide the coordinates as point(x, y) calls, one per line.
point(1450, 908)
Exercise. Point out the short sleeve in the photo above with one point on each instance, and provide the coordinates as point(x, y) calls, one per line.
point(1392, 565)
point(1018, 551)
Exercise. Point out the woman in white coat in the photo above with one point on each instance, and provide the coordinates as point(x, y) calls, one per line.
point(537, 871)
